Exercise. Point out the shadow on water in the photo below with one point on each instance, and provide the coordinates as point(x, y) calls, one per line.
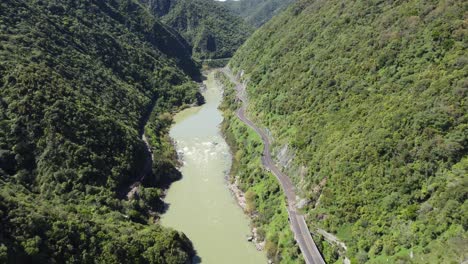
point(162, 179)
point(196, 259)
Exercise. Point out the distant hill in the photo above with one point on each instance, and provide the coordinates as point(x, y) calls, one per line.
point(212, 30)
point(257, 12)
point(78, 80)
point(366, 102)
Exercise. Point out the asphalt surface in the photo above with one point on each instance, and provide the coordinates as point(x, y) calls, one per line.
point(298, 225)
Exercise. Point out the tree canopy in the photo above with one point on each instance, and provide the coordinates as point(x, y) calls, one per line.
point(366, 102)
point(78, 80)
point(212, 30)
point(257, 12)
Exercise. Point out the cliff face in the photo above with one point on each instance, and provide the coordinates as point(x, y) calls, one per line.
point(370, 97)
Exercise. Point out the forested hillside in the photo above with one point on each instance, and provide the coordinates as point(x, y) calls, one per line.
point(366, 102)
point(212, 30)
point(78, 80)
point(257, 12)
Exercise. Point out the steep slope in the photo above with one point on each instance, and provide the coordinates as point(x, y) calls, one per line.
point(212, 30)
point(366, 103)
point(257, 12)
point(77, 83)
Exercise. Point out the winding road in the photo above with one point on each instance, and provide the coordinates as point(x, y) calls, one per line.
point(298, 225)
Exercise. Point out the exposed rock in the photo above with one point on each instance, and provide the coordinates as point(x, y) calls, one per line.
point(302, 203)
point(240, 197)
point(284, 156)
point(238, 194)
point(302, 172)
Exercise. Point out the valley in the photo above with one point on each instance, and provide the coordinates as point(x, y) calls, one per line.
point(200, 204)
point(249, 131)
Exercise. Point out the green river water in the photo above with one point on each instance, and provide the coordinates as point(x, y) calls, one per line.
point(200, 204)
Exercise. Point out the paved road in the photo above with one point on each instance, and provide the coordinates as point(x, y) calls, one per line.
point(298, 225)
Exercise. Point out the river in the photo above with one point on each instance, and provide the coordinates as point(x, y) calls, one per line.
point(200, 204)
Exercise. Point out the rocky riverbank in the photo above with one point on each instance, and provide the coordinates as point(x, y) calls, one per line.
point(241, 201)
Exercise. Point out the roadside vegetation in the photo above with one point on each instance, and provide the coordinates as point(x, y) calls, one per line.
point(265, 202)
point(368, 99)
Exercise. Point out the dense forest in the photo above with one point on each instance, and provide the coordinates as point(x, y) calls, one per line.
point(79, 80)
point(366, 102)
point(257, 12)
point(213, 30)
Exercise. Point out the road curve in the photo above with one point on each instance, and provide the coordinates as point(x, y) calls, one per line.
point(298, 225)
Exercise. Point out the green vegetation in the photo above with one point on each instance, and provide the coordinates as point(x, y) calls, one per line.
point(257, 12)
point(371, 99)
point(265, 201)
point(212, 30)
point(215, 63)
point(78, 81)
